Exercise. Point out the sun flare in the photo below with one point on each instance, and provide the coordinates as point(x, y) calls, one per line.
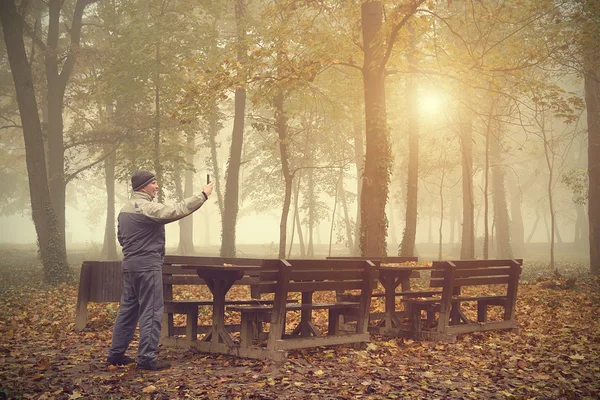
point(430, 103)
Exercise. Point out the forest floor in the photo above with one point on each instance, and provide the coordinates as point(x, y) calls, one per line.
point(555, 356)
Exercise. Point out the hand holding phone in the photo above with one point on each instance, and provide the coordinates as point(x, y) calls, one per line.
point(208, 188)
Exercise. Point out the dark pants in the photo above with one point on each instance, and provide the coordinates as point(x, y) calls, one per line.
point(142, 300)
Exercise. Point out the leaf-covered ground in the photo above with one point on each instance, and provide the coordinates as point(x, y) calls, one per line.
point(556, 356)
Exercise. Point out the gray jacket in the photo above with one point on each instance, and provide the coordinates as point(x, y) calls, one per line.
point(141, 229)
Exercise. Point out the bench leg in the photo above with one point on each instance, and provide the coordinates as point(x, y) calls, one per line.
point(250, 321)
point(481, 311)
point(191, 325)
point(335, 316)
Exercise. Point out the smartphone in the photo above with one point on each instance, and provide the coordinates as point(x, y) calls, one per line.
point(207, 179)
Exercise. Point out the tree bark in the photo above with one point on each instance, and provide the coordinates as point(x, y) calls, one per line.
point(592, 100)
point(517, 228)
point(51, 241)
point(231, 206)
point(501, 219)
point(281, 127)
point(378, 158)
point(467, 249)
point(186, 225)
point(407, 246)
point(213, 131)
point(109, 247)
point(359, 160)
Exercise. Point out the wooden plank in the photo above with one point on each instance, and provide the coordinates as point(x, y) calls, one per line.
point(382, 260)
point(462, 264)
point(201, 260)
point(315, 341)
point(470, 272)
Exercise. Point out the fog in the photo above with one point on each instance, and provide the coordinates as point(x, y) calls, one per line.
point(352, 121)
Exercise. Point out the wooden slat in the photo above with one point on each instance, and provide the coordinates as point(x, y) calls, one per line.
point(475, 272)
point(314, 341)
point(337, 275)
point(311, 264)
point(382, 260)
point(198, 260)
point(486, 280)
point(481, 263)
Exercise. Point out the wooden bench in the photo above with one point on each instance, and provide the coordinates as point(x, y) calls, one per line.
point(282, 278)
point(451, 277)
point(99, 282)
point(173, 274)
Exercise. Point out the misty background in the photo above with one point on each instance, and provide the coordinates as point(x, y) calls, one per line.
point(439, 129)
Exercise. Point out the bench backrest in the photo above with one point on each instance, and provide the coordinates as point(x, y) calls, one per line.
point(316, 275)
point(462, 273)
point(101, 281)
point(174, 274)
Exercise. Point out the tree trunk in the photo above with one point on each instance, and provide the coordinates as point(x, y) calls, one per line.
point(534, 227)
point(359, 160)
point(213, 127)
point(407, 246)
point(517, 228)
point(50, 238)
point(347, 222)
point(231, 206)
point(501, 219)
point(441, 213)
point(453, 215)
point(186, 225)
point(109, 247)
point(592, 100)
point(158, 170)
point(310, 250)
point(467, 250)
point(378, 158)
point(297, 222)
point(281, 126)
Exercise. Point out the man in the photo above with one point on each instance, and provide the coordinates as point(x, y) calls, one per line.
point(141, 233)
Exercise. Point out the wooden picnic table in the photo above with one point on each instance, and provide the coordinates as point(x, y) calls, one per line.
point(219, 279)
point(391, 276)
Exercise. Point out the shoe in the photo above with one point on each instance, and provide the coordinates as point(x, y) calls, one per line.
point(154, 365)
point(119, 360)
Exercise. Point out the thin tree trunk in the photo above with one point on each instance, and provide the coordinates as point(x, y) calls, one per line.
point(231, 206)
point(347, 222)
point(441, 213)
point(335, 201)
point(213, 127)
point(453, 218)
point(109, 247)
point(407, 247)
point(534, 228)
point(281, 126)
point(501, 219)
point(517, 228)
point(467, 250)
point(359, 159)
point(186, 225)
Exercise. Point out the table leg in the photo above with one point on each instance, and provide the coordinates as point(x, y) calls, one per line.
point(219, 288)
point(390, 281)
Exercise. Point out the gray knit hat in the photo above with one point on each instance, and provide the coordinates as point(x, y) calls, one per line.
point(139, 179)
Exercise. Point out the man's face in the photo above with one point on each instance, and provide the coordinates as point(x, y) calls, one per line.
point(151, 189)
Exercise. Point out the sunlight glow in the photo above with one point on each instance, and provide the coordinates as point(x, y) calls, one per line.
point(430, 103)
